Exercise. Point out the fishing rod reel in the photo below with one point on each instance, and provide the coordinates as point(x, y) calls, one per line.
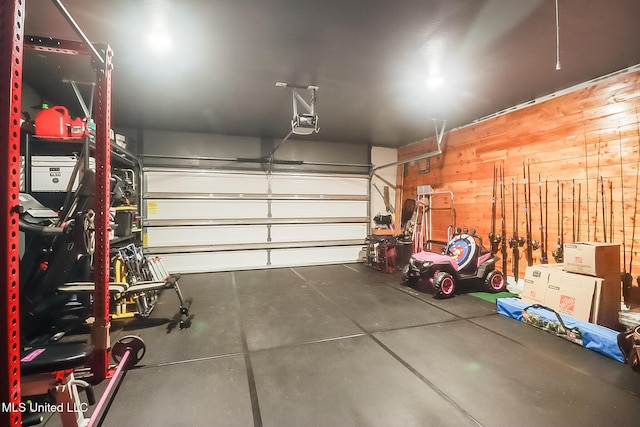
point(495, 241)
point(558, 255)
point(534, 244)
point(516, 242)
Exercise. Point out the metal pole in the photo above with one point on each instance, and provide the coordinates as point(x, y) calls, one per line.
point(11, 48)
point(102, 324)
point(79, 32)
point(439, 135)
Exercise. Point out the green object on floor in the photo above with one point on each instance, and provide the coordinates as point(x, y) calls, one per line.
point(492, 297)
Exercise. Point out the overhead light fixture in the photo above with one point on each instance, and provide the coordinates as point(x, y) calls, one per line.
point(159, 40)
point(434, 82)
point(303, 123)
point(158, 37)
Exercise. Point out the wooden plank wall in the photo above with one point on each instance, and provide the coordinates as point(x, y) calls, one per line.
point(574, 139)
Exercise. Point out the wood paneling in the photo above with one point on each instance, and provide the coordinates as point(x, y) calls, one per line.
point(575, 139)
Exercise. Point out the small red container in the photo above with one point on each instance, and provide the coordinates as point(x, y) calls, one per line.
point(53, 122)
point(77, 127)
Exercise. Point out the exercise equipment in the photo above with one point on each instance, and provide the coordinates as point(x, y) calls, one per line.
point(127, 352)
point(49, 380)
point(55, 291)
point(138, 283)
point(58, 248)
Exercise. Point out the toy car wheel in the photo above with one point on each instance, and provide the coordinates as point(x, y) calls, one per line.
point(444, 285)
point(494, 282)
point(409, 276)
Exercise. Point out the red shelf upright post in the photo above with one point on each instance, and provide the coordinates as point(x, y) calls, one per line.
point(11, 46)
point(102, 117)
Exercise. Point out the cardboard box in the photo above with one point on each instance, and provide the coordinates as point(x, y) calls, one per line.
point(571, 294)
point(609, 301)
point(601, 260)
point(536, 279)
point(592, 258)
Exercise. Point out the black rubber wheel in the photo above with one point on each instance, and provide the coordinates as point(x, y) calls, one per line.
point(494, 282)
point(409, 277)
point(444, 285)
point(634, 360)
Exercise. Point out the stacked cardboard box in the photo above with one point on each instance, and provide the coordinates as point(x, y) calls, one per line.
point(586, 287)
point(600, 260)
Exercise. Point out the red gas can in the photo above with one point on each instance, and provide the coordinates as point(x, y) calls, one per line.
point(53, 122)
point(77, 127)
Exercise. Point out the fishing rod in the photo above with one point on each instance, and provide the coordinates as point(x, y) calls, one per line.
point(527, 217)
point(515, 242)
point(604, 218)
point(503, 237)
point(573, 210)
point(625, 291)
point(626, 277)
point(579, 210)
point(595, 221)
point(611, 211)
point(535, 245)
point(558, 254)
point(543, 242)
point(586, 174)
point(495, 240)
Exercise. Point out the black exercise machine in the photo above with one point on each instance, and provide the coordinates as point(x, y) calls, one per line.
point(55, 286)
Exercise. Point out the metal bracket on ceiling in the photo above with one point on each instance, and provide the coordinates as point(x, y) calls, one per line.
point(307, 122)
point(437, 151)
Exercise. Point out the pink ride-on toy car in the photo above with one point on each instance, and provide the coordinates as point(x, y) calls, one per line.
point(463, 259)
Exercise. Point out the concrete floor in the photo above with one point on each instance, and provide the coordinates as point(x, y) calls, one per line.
point(344, 345)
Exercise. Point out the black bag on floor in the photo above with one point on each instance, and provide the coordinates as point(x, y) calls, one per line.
point(629, 343)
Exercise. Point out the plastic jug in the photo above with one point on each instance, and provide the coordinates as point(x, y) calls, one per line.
point(77, 127)
point(52, 122)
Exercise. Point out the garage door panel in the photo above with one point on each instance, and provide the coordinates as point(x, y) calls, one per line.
point(317, 232)
point(201, 262)
point(167, 209)
point(313, 184)
point(205, 235)
point(205, 182)
point(319, 208)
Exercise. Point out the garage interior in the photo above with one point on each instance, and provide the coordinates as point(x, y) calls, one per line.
point(290, 213)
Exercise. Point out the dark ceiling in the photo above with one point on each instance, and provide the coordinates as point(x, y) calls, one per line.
point(369, 58)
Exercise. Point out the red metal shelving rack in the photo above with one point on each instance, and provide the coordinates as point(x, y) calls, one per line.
point(12, 43)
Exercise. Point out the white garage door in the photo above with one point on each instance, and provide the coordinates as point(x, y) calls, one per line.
point(202, 221)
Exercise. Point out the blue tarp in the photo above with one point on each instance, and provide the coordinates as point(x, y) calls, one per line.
point(594, 337)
